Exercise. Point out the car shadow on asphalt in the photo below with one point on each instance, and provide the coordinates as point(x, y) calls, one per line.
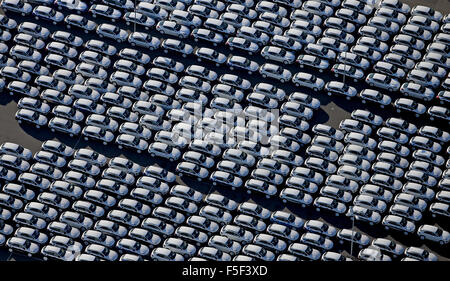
point(5, 98)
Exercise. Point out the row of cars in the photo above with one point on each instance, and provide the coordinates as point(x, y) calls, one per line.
point(110, 217)
point(371, 50)
point(371, 180)
point(302, 79)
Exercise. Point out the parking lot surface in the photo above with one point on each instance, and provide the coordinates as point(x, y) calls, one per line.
point(333, 110)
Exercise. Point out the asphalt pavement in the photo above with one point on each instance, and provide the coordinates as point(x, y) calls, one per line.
point(332, 112)
point(442, 6)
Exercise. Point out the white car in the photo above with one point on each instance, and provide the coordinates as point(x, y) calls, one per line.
point(173, 28)
point(398, 223)
point(433, 233)
point(336, 87)
point(47, 13)
point(112, 31)
point(143, 39)
point(17, 6)
point(383, 81)
point(278, 54)
point(308, 80)
point(417, 91)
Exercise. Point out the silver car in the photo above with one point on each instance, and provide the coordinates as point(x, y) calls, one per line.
point(112, 31)
point(308, 80)
point(383, 81)
point(173, 28)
